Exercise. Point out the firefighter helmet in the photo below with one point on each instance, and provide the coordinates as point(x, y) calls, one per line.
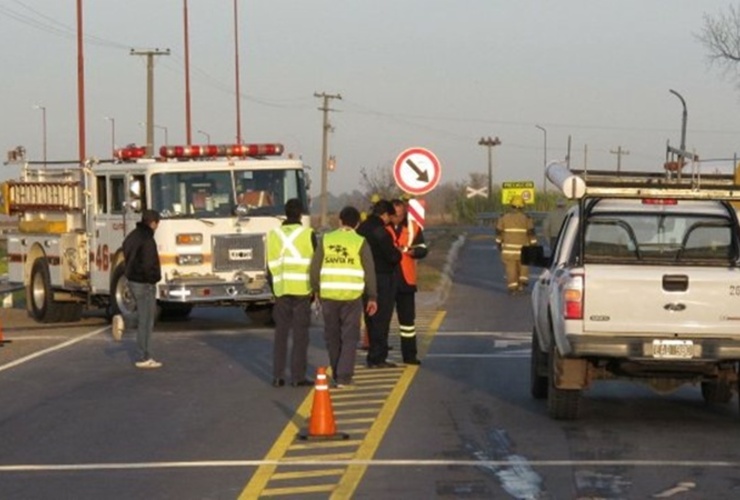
point(516, 201)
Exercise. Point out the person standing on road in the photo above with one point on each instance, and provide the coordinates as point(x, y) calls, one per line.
point(289, 251)
point(143, 272)
point(514, 230)
point(409, 239)
point(553, 221)
point(386, 258)
point(342, 270)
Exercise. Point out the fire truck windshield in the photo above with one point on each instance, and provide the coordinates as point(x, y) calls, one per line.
point(217, 193)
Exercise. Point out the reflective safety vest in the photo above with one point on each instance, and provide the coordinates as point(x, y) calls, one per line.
point(402, 240)
point(342, 276)
point(513, 231)
point(289, 252)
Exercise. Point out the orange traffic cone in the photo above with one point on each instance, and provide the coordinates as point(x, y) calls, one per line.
point(2, 337)
point(321, 425)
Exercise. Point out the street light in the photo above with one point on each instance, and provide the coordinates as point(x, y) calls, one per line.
point(160, 127)
point(43, 118)
point(489, 143)
point(166, 137)
point(208, 136)
point(684, 117)
point(112, 133)
point(544, 168)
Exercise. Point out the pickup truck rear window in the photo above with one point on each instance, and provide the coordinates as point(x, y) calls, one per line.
point(659, 238)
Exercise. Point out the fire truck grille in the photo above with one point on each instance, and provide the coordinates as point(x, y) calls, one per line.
point(239, 252)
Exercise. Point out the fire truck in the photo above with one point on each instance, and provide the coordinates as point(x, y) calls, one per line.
point(217, 203)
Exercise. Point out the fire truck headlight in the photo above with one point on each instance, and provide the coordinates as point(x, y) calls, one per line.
point(189, 239)
point(189, 259)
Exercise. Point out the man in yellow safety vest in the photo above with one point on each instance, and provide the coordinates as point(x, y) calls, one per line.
point(290, 248)
point(342, 271)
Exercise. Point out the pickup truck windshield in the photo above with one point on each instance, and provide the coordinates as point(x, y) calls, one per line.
point(659, 238)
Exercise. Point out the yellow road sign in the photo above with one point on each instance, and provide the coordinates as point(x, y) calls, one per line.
point(525, 189)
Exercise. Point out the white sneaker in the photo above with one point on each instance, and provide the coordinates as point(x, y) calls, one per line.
point(116, 328)
point(148, 363)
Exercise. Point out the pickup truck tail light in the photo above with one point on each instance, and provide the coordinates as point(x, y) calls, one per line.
point(573, 298)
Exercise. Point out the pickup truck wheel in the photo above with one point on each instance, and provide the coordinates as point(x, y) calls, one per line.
point(716, 392)
point(562, 404)
point(538, 381)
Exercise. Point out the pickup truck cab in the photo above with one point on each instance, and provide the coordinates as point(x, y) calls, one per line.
point(643, 284)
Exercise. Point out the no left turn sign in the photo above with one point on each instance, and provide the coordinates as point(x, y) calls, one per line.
point(417, 171)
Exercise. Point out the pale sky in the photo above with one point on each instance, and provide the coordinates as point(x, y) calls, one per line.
point(438, 74)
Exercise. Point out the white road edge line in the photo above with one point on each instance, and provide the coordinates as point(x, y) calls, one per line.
point(370, 463)
point(51, 349)
point(453, 333)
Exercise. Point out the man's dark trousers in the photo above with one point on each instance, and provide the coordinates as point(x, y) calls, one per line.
point(291, 312)
point(378, 325)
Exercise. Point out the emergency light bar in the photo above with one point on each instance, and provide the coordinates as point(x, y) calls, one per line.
point(208, 151)
point(130, 152)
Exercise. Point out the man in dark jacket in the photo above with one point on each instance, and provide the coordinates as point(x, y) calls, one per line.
point(143, 272)
point(386, 258)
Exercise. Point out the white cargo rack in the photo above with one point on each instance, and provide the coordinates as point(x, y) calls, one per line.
point(611, 184)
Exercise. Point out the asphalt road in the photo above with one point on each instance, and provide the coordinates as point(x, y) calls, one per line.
point(78, 421)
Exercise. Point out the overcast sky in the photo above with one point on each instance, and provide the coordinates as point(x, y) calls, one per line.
point(433, 73)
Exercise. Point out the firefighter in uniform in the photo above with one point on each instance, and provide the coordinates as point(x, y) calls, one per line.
point(289, 251)
point(409, 239)
point(342, 271)
point(514, 230)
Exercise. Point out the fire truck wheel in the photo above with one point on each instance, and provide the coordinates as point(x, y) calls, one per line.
point(170, 311)
point(40, 295)
point(121, 299)
point(259, 315)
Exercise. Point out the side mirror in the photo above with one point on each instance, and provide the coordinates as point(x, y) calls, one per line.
point(534, 255)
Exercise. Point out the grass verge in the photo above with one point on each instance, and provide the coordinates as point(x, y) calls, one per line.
point(429, 269)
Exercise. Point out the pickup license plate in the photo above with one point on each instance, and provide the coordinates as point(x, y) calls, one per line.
point(673, 349)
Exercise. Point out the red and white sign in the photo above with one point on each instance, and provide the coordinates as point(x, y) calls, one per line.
point(416, 211)
point(417, 171)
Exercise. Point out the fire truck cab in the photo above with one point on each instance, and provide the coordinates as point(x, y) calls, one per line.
point(217, 203)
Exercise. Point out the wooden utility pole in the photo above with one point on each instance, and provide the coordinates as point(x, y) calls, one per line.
point(80, 87)
point(489, 143)
point(150, 93)
point(324, 153)
point(619, 152)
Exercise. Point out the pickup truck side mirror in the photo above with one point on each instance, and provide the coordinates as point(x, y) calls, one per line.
point(534, 255)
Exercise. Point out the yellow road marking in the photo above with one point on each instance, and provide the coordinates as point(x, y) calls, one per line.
point(303, 445)
point(302, 474)
point(400, 378)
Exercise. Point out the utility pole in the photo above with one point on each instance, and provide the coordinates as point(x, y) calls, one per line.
point(619, 152)
point(188, 123)
point(489, 143)
point(150, 93)
point(324, 153)
point(236, 66)
point(544, 161)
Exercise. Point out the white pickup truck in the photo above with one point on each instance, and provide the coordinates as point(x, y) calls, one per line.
point(643, 284)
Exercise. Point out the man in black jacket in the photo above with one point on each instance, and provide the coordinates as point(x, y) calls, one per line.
point(386, 258)
point(143, 272)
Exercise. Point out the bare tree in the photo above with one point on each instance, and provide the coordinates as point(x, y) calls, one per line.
point(720, 34)
point(379, 181)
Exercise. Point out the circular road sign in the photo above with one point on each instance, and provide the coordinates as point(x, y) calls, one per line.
point(417, 171)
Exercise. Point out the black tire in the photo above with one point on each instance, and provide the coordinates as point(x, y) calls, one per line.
point(562, 404)
point(259, 315)
point(174, 311)
point(40, 295)
point(716, 392)
point(538, 380)
point(121, 299)
point(72, 312)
